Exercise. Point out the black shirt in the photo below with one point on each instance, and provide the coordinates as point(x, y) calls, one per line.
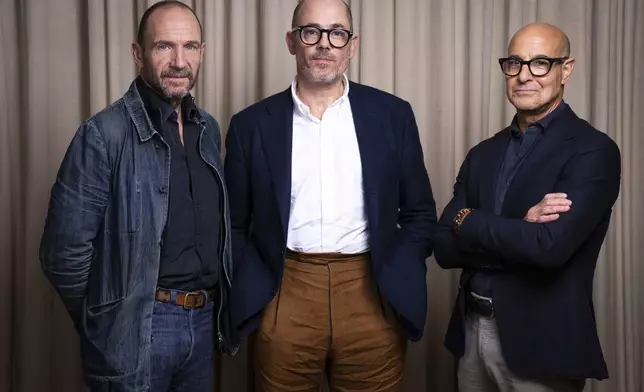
point(519, 146)
point(190, 250)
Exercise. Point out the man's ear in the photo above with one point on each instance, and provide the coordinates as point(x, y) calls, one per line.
point(567, 68)
point(137, 54)
point(353, 46)
point(203, 50)
point(290, 42)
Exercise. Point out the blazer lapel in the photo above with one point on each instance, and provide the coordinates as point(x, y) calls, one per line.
point(493, 158)
point(372, 145)
point(557, 133)
point(277, 140)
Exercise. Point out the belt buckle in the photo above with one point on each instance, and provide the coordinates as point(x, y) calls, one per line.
point(476, 297)
point(489, 301)
point(187, 296)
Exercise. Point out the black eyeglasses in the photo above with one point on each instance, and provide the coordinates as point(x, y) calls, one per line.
point(539, 66)
point(311, 35)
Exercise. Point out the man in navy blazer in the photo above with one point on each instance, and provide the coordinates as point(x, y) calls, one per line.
point(332, 215)
point(529, 214)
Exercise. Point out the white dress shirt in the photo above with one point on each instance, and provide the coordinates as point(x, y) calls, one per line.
point(327, 202)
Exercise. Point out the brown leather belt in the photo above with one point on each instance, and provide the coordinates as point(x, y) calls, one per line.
point(188, 300)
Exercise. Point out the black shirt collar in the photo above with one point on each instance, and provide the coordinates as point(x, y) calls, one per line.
point(542, 123)
point(159, 109)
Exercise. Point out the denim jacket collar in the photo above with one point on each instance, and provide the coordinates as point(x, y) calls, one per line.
point(139, 115)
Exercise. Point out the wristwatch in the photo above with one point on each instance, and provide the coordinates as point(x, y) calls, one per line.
point(458, 219)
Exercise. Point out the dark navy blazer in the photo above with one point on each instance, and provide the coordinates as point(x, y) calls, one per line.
point(543, 279)
point(398, 199)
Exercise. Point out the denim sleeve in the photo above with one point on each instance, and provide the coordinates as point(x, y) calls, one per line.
point(75, 215)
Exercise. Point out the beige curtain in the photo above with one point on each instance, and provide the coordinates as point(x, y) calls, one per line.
point(61, 61)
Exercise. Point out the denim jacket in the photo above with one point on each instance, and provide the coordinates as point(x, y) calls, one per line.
point(101, 243)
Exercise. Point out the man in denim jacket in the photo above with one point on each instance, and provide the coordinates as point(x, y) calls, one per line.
point(136, 240)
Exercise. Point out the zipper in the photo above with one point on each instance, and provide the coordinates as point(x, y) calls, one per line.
point(223, 198)
point(224, 195)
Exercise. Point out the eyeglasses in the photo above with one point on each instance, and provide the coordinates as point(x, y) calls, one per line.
point(311, 35)
point(511, 66)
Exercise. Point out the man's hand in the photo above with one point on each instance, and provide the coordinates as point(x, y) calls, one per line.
point(549, 208)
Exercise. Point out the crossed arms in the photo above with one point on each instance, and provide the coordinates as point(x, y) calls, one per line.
point(552, 230)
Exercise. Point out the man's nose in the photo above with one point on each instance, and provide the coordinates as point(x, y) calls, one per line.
point(324, 40)
point(524, 74)
point(179, 59)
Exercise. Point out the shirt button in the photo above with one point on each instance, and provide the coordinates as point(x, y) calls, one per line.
point(157, 145)
point(163, 189)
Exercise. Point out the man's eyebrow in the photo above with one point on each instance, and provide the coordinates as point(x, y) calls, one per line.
point(333, 26)
point(171, 43)
point(538, 56)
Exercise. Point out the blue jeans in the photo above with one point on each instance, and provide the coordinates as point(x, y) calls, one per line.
point(182, 348)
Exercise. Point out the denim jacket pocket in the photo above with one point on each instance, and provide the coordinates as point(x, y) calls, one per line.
point(97, 310)
point(124, 210)
point(109, 345)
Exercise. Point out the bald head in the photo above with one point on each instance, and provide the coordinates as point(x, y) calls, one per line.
point(537, 68)
point(557, 40)
point(322, 59)
point(297, 13)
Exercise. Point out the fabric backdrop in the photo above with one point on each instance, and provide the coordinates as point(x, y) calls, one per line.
point(63, 60)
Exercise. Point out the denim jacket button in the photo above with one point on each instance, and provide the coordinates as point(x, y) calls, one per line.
point(163, 189)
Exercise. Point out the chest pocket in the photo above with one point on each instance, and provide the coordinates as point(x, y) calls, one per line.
point(124, 209)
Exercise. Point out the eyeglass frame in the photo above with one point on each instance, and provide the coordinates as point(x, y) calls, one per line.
point(551, 61)
point(322, 31)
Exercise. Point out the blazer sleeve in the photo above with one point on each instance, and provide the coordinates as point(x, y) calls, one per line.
point(239, 191)
point(591, 179)
point(449, 250)
point(417, 216)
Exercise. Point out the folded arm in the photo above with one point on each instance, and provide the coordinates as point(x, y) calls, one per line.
point(75, 215)
point(591, 179)
point(449, 250)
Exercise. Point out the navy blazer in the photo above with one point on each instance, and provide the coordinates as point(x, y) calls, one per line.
point(398, 199)
point(543, 292)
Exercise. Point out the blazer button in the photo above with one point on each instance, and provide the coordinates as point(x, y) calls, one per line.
point(163, 189)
